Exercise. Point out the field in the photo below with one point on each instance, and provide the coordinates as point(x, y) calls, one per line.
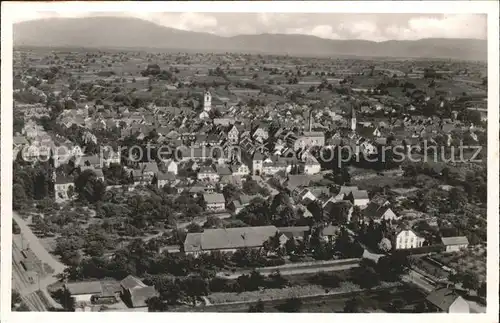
point(299, 285)
point(429, 267)
point(377, 181)
point(371, 301)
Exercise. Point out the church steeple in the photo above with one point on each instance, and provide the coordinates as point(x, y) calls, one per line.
point(207, 101)
point(353, 119)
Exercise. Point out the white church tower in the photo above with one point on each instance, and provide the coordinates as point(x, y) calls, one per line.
point(207, 102)
point(353, 119)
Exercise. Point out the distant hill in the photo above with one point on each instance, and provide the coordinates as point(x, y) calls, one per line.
point(117, 32)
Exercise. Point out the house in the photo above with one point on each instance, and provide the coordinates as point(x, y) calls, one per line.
point(61, 155)
point(19, 141)
point(223, 170)
point(92, 160)
point(82, 292)
point(199, 189)
point(215, 202)
point(244, 200)
point(239, 169)
point(271, 166)
point(227, 240)
point(447, 301)
point(208, 173)
point(140, 178)
point(260, 133)
point(194, 153)
point(144, 173)
point(344, 191)
point(300, 194)
point(171, 166)
point(224, 121)
point(358, 198)
point(311, 165)
point(165, 179)
point(233, 135)
point(379, 210)
point(257, 163)
point(309, 139)
point(300, 233)
point(297, 181)
point(91, 292)
point(330, 232)
point(204, 115)
point(135, 293)
point(407, 239)
point(109, 156)
point(453, 244)
point(63, 188)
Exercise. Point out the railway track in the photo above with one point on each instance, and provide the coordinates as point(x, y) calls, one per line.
point(24, 285)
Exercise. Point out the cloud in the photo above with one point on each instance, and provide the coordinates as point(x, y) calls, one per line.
point(270, 19)
point(463, 26)
point(186, 21)
point(367, 30)
point(375, 27)
point(322, 31)
point(265, 18)
point(196, 21)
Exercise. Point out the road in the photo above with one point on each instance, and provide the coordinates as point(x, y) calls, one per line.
point(295, 270)
point(36, 246)
point(34, 292)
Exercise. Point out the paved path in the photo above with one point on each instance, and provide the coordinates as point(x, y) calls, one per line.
point(298, 269)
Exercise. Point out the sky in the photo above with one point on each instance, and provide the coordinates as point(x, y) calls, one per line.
point(367, 26)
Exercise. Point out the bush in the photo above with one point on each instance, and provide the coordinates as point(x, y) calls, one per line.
point(219, 284)
point(275, 262)
point(329, 280)
point(291, 305)
point(276, 280)
point(257, 308)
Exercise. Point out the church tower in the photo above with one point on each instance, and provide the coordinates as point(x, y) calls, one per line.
point(353, 119)
point(207, 102)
